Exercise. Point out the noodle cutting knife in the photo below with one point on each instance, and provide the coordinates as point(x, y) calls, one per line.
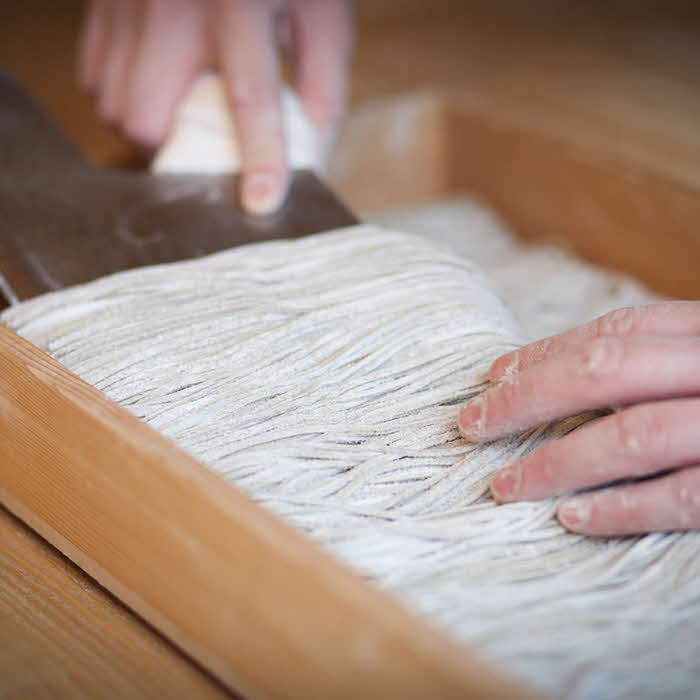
point(65, 222)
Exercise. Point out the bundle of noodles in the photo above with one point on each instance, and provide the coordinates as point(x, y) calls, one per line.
point(324, 377)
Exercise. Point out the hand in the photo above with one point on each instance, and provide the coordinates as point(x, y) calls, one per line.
point(140, 56)
point(646, 359)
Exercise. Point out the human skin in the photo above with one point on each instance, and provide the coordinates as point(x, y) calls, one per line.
point(139, 57)
point(646, 362)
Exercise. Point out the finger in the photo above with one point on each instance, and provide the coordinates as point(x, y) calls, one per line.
point(671, 318)
point(323, 46)
point(170, 54)
point(285, 33)
point(670, 502)
point(636, 442)
point(93, 44)
point(247, 44)
point(602, 372)
point(124, 28)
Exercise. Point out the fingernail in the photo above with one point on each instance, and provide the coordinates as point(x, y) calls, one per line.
point(576, 512)
point(471, 419)
point(262, 193)
point(505, 483)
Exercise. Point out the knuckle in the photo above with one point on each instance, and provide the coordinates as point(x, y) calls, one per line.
point(538, 351)
point(141, 135)
point(602, 357)
point(108, 112)
point(140, 129)
point(504, 397)
point(505, 368)
point(251, 95)
point(504, 406)
point(687, 490)
point(237, 5)
point(158, 8)
point(639, 432)
point(619, 322)
point(546, 465)
point(233, 8)
point(684, 494)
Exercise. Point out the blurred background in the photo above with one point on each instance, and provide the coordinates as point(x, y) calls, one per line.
point(633, 63)
point(574, 120)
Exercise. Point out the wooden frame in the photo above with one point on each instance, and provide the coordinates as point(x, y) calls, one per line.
point(194, 557)
point(551, 167)
point(552, 175)
point(251, 600)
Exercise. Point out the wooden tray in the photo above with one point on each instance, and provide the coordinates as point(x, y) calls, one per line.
point(252, 601)
point(549, 174)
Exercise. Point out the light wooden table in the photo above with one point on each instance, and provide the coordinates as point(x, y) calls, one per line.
point(63, 636)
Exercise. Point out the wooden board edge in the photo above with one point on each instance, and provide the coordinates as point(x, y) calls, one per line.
point(252, 600)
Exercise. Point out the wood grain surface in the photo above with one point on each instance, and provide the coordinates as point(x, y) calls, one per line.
point(63, 636)
point(610, 209)
point(250, 599)
point(600, 100)
point(578, 122)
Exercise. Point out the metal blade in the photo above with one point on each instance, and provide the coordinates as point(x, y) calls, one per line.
point(64, 222)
